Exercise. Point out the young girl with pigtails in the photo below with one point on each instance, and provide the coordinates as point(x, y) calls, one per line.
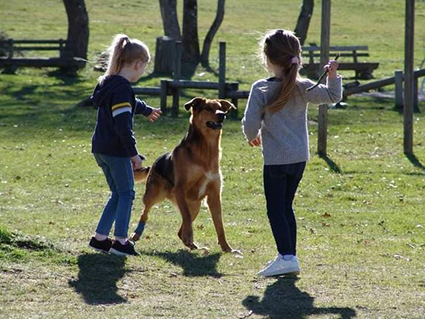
point(113, 142)
point(276, 119)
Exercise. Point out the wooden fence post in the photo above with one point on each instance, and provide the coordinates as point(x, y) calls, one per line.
point(322, 130)
point(415, 94)
point(398, 81)
point(409, 76)
point(234, 113)
point(222, 71)
point(163, 96)
point(176, 78)
point(324, 58)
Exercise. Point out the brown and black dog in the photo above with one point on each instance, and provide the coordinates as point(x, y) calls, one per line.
point(190, 172)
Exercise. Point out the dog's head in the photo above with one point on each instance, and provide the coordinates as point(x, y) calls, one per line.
point(208, 113)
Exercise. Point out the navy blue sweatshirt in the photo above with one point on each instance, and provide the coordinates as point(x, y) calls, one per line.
point(116, 105)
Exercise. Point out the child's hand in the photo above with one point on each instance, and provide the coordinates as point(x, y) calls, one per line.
point(331, 68)
point(156, 113)
point(256, 141)
point(136, 161)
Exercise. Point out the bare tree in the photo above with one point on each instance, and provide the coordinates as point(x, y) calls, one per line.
point(304, 18)
point(191, 48)
point(169, 19)
point(191, 52)
point(78, 28)
point(211, 33)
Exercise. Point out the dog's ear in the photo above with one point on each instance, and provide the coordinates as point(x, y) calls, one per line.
point(194, 102)
point(226, 105)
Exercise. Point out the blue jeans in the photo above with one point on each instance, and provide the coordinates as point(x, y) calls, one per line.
point(280, 185)
point(119, 175)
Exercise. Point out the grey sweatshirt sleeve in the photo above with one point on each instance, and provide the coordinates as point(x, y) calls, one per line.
point(251, 122)
point(329, 93)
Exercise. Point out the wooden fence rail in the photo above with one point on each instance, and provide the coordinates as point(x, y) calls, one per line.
point(172, 87)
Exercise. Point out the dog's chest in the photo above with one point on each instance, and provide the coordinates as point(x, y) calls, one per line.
point(208, 178)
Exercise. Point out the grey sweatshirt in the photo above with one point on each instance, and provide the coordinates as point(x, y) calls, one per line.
point(284, 134)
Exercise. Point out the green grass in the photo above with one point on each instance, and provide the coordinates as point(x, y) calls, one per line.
point(360, 213)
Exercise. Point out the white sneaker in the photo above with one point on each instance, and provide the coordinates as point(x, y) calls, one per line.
point(281, 266)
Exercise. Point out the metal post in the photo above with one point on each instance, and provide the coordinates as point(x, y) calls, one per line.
point(409, 76)
point(324, 58)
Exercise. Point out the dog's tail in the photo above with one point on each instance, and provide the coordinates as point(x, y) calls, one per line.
point(141, 174)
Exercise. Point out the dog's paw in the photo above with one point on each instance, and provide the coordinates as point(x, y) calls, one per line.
point(228, 249)
point(186, 235)
point(135, 237)
point(237, 253)
point(192, 246)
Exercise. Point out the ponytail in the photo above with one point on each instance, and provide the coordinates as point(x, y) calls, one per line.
point(124, 51)
point(283, 49)
point(116, 53)
point(283, 94)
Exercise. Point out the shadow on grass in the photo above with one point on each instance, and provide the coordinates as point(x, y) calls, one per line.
point(415, 161)
point(332, 165)
point(97, 278)
point(67, 79)
point(283, 299)
point(193, 265)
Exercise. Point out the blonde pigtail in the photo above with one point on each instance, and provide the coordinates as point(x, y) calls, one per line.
point(116, 51)
point(124, 51)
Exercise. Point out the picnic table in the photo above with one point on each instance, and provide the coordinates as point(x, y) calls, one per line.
point(13, 58)
point(363, 70)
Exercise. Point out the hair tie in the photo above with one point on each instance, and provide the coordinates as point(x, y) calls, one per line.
point(294, 60)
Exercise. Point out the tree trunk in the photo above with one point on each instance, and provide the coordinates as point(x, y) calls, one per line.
point(170, 19)
point(304, 20)
point(191, 52)
point(165, 55)
point(211, 33)
point(78, 28)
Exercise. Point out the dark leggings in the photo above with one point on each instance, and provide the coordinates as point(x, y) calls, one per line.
point(280, 185)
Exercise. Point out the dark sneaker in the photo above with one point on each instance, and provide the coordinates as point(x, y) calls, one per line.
point(100, 245)
point(123, 250)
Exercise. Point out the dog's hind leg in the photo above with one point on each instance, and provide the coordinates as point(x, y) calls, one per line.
point(153, 194)
point(141, 225)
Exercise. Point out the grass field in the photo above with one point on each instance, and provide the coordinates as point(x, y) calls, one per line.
point(360, 213)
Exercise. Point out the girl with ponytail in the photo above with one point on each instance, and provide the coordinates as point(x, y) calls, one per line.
point(113, 142)
point(276, 119)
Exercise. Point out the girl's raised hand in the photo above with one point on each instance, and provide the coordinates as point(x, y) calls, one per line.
point(156, 113)
point(331, 68)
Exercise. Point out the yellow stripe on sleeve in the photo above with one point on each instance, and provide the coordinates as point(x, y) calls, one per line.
point(119, 105)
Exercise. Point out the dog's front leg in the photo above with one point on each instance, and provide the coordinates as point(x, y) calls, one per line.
point(214, 204)
point(185, 232)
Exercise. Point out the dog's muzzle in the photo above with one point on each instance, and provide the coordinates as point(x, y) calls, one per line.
point(215, 125)
point(219, 124)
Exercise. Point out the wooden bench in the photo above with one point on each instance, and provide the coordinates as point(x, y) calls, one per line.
point(363, 70)
point(13, 60)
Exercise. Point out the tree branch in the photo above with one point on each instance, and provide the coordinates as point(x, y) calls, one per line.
point(212, 32)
